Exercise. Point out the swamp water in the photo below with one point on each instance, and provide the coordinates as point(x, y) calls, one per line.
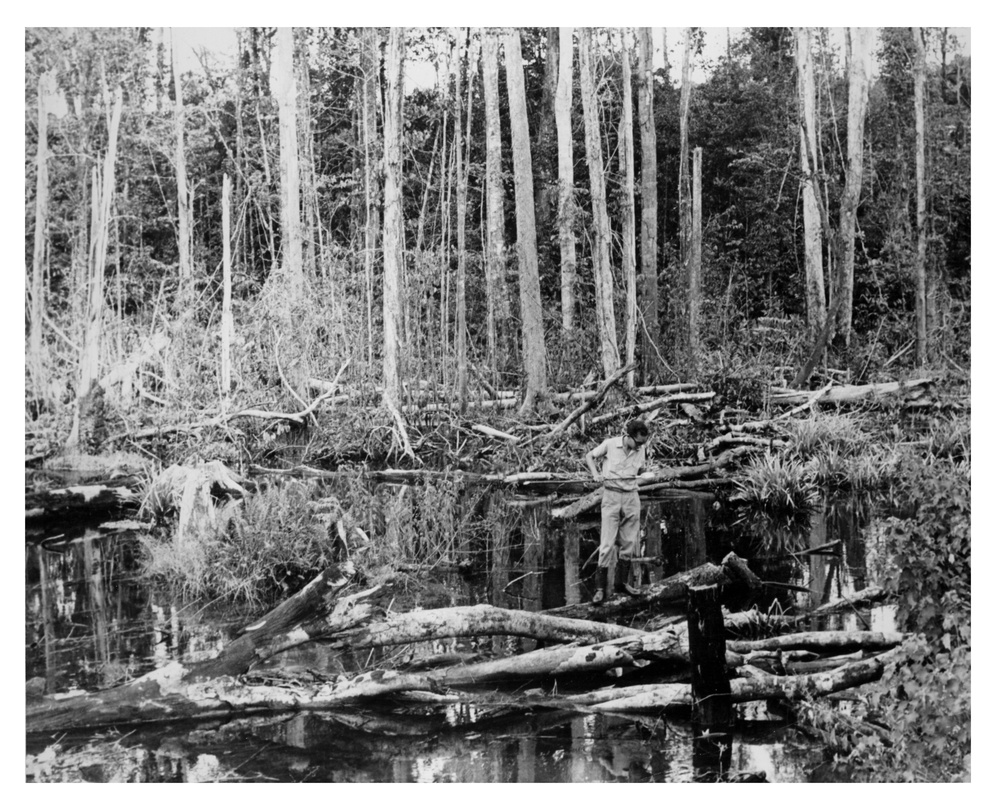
point(91, 623)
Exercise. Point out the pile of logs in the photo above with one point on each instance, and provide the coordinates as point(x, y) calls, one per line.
point(577, 648)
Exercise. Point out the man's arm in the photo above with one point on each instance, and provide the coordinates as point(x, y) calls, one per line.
point(591, 460)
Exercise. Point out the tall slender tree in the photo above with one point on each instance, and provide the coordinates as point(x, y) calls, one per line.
point(650, 294)
point(812, 231)
point(683, 299)
point(532, 333)
point(497, 302)
point(860, 47)
point(920, 268)
point(185, 264)
point(627, 158)
point(564, 134)
point(392, 231)
point(45, 85)
point(601, 258)
point(370, 103)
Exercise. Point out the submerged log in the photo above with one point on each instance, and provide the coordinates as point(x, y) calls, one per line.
point(78, 501)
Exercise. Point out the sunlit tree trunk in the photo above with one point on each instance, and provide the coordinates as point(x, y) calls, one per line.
point(392, 232)
point(103, 192)
point(694, 262)
point(603, 287)
point(532, 333)
point(564, 134)
point(497, 303)
point(461, 349)
point(812, 232)
point(45, 83)
point(310, 231)
point(682, 295)
point(649, 298)
point(185, 265)
point(627, 156)
point(920, 269)
point(227, 294)
point(291, 231)
point(371, 101)
point(860, 41)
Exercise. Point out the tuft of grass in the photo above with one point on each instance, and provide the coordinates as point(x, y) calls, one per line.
point(265, 550)
point(777, 483)
point(836, 432)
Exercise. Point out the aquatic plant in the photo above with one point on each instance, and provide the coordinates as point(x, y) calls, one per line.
point(838, 433)
point(915, 723)
point(777, 483)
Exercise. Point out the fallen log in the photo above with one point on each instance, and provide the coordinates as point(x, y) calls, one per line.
point(850, 393)
point(81, 501)
point(843, 641)
point(755, 687)
point(635, 410)
point(866, 597)
point(657, 477)
point(477, 621)
point(670, 590)
point(585, 407)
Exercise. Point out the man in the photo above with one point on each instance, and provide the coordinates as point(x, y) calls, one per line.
point(624, 458)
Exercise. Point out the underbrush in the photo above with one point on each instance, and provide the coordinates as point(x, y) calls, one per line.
point(915, 723)
point(273, 542)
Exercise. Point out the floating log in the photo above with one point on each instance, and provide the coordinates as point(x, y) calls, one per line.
point(79, 501)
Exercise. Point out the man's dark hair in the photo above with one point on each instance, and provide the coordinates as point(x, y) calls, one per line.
point(637, 429)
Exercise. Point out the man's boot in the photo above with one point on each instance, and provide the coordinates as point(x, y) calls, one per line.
point(610, 580)
point(600, 590)
point(633, 585)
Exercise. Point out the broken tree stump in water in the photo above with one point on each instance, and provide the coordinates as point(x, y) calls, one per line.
point(707, 643)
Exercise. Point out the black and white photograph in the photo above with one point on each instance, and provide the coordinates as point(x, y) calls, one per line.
point(499, 404)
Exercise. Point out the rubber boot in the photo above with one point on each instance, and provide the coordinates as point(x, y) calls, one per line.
point(600, 590)
point(633, 585)
point(610, 580)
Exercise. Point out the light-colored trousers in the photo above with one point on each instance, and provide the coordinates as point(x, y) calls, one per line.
point(619, 526)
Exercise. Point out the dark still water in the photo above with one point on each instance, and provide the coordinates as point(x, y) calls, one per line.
point(92, 623)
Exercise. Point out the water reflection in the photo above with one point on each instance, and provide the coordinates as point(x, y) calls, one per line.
point(90, 623)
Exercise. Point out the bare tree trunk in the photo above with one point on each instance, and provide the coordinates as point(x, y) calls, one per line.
point(184, 262)
point(650, 287)
point(103, 192)
point(370, 103)
point(627, 157)
point(564, 133)
point(227, 296)
point(860, 41)
point(546, 191)
point(682, 296)
point(45, 83)
point(392, 233)
point(532, 334)
point(920, 270)
point(461, 349)
point(497, 303)
point(694, 263)
point(603, 285)
point(812, 232)
point(310, 232)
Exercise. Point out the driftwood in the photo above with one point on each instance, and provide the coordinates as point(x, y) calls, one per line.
point(96, 499)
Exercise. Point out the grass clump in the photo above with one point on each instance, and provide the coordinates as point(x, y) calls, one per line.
point(777, 483)
point(261, 551)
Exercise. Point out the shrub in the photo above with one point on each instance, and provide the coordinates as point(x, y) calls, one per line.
point(777, 483)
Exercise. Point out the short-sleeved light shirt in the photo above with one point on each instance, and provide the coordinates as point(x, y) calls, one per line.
point(621, 466)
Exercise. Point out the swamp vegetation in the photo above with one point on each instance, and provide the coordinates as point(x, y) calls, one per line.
point(313, 357)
